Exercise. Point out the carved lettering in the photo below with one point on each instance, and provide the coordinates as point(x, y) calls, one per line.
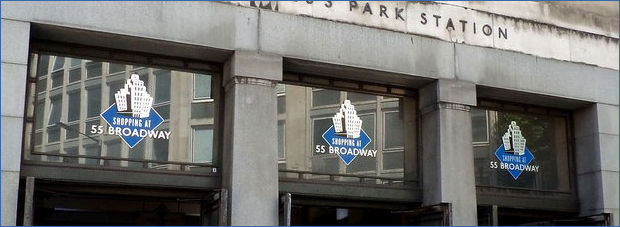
point(382, 11)
point(367, 9)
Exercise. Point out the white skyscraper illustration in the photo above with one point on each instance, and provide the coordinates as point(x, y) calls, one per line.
point(133, 99)
point(346, 121)
point(513, 140)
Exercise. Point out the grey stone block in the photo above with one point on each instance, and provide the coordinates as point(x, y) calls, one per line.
point(608, 148)
point(10, 185)
point(211, 24)
point(515, 71)
point(461, 92)
point(353, 45)
point(585, 121)
point(590, 191)
point(15, 41)
point(607, 116)
point(587, 154)
point(257, 65)
point(610, 189)
point(11, 143)
point(13, 82)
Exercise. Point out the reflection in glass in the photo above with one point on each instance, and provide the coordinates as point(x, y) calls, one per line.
point(360, 97)
point(55, 110)
point(116, 68)
point(393, 128)
point(202, 149)
point(59, 63)
point(202, 86)
point(94, 101)
point(67, 115)
point(43, 65)
point(57, 79)
point(93, 69)
point(323, 97)
point(479, 125)
point(281, 133)
point(74, 107)
point(162, 86)
point(546, 139)
point(305, 114)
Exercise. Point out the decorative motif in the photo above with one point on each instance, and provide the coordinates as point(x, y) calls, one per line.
point(133, 99)
point(346, 137)
point(346, 121)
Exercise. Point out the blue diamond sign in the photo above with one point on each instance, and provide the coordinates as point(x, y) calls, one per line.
point(346, 137)
point(347, 148)
point(132, 117)
point(513, 155)
point(132, 129)
point(515, 164)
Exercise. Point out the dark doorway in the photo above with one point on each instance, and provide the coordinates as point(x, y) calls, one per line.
point(110, 205)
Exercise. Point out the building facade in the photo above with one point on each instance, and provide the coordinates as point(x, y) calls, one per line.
point(310, 113)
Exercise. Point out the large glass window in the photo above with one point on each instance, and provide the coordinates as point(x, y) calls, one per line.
point(520, 149)
point(71, 119)
point(313, 137)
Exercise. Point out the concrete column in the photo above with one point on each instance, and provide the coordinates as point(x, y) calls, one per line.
point(596, 155)
point(15, 41)
point(250, 157)
point(447, 152)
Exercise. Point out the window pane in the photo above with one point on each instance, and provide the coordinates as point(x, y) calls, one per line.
point(202, 86)
point(162, 86)
point(38, 138)
point(93, 69)
point(393, 160)
point(359, 97)
point(393, 130)
point(53, 134)
point(368, 125)
point(116, 68)
point(324, 97)
point(75, 75)
point(160, 150)
point(57, 78)
point(75, 62)
point(59, 63)
point(94, 101)
point(72, 131)
point(41, 84)
point(74, 107)
point(281, 133)
point(39, 114)
point(164, 111)
point(203, 145)
point(43, 65)
point(55, 110)
point(281, 104)
point(479, 125)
